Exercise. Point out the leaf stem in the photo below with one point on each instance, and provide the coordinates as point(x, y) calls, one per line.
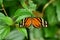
point(4, 10)
point(46, 5)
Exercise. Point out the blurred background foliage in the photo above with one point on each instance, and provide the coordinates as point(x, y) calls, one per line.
point(13, 11)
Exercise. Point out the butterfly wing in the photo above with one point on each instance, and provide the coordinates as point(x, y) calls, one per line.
point(37, 22)
point(27, 22)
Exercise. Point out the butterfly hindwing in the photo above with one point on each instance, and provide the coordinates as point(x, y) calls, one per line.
point(36, 22)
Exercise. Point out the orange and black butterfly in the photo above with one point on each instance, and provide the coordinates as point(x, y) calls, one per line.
point(36, 22)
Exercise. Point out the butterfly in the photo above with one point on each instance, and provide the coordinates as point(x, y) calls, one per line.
point(35, 21)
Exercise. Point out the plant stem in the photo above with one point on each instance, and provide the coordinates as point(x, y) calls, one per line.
point(47, 4)
point(4, 10)
point(28, 33)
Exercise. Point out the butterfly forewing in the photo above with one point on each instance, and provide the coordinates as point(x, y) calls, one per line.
point(27, 22)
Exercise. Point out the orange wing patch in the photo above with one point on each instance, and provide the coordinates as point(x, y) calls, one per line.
point(36, 22)
point(27, 22)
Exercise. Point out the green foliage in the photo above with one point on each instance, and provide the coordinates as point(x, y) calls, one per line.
point(36, 33)
point(10, 3)
point(58, 10)
point(4, 30)
point(1, 2)
point(15, 35)
point(22, 17)
point(23, 3)
point(21, 12)
point(17, 10)
point(51, 15)
point(6, 19)
point(40, 2)
point(23, 31)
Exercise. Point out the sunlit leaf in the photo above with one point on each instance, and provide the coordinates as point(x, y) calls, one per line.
point(1, 2)
point(20, 12)
point(22, 17)
point(4, 30)
point(7, 20)
point(2, 15)
point(32, 6)
point(1, 27)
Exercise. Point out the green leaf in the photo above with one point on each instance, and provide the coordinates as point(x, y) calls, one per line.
point(32, 6)
point(15, 35)
point(1, 2)
point(35, 33)
point(4, 30)
point(50, 32)
point(7, 20)
point(58, 9)
point(2, 23)
point(20, 12)
point(1, 27)
point(2, 15)
point(22, 17)
point(51, 15)
point(23, 30)
point(24, 5)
